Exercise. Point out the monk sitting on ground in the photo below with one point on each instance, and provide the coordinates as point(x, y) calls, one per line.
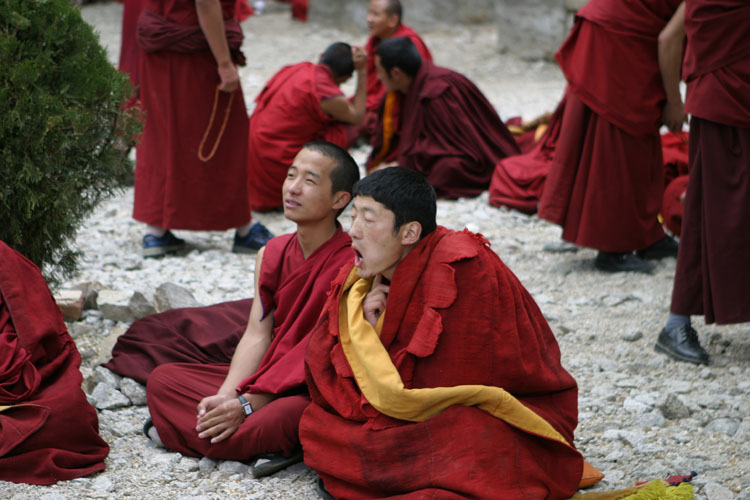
point(432, 372)
point(383, 22)
point(447, 130)
point(48, 431)
point(252, 405)
point(299, 104)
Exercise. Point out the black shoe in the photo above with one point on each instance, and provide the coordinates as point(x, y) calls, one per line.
point(271, 463)
point(682, 344)
point(613, 262)
point(665, 247)
point(154, 246)
point(253, 241)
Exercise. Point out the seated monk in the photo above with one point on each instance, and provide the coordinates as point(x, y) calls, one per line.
point(447, 130)
point(299, 104)
point(383, 22)
point(432, 372)
point(48, 430)
point(251, 403)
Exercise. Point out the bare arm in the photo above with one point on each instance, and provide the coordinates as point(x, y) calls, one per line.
point(220, 415)
point(670, 46)
point(212, 25)
point(339, 107)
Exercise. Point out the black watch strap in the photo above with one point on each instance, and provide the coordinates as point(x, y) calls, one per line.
point(246, 406)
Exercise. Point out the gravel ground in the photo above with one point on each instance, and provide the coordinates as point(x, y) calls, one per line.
point(641, 415)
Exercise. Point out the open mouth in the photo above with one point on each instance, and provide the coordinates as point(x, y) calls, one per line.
point(357, 257)
point(288, 203)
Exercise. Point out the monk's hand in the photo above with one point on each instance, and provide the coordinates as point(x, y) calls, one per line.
point(360, 58)
point(673, 115)
point(230, 78)
point(219, 416)
point(374, 303)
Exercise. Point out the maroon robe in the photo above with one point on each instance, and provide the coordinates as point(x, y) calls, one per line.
point(294, 288)
point(712, 276)
point(449, 132)
point(605, 182)
point(174, 189)
point(436, 336)
point(288, 116)
point(129, 51)
point(50, 432)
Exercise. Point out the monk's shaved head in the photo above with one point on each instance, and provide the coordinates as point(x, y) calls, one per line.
point(345, 172)
point(338, 57)
point(393, 7)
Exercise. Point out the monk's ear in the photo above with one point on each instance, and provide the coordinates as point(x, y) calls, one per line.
point(340, 200)
point(410, 233)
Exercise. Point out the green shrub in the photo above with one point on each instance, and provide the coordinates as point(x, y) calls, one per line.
point(62, 129)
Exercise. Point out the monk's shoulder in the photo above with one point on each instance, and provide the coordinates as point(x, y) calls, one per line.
point(455, 246)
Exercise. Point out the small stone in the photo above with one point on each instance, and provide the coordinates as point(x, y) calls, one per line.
point(744, 494)
point(106, 397)
point(90, 291)
point(70, 303)
point(233, 467)
point(80, 328)
point(560, 247)
point(188, 464)
point(632, 336)
point(726, 426)
point(207, 464)
point(103, 375)
point(672, 407)
point(170, 296)
point(102, 483)
point(115, 305)
point(632, 405)
point(135, 392)
point(140, 306)
point(715, 491)
point(53, 496)
point(651, 419)
point(706, 374)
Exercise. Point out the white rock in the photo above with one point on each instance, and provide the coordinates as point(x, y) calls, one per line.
point(106, 397)
point(135, 392)
point(716, 491)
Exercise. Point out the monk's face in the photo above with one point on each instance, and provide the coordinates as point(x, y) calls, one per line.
point(389, 82)
point(306, 192)
point(377, 249)
point(380, 24)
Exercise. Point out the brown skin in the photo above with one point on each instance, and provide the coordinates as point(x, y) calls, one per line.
point(670, 46)
point(380, 23)
point(340, 107)
point(309, 202)
point(212, 25)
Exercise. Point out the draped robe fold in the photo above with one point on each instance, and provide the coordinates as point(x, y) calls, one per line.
point(174, 189)
point(605, 185)
point(286, 117)
point(712, 276)
point(48, 430)
point(455, 315)
point(294, 289)
point(449, 132)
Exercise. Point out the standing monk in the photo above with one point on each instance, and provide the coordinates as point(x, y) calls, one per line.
point(191, 171)
point(712, 276)
point(432, 372)
point(447, 129)
point(383, 22)
point(253, 405)
point(605, 184)
point(299, 104)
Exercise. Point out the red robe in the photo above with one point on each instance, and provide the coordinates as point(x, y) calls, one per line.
point(174, 189)
point(50, 432)
point(712, 276)
point(449, 132)
point(129, 51)
point(286, 117)
point(294, 288)
point(437, 336)
point(605, 182)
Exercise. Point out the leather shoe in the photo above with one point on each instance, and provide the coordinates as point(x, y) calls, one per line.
point(681, 343)
point(665, 247)
point(271, 463)
point(613, 262)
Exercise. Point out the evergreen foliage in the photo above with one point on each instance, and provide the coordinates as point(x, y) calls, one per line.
point(62, 117)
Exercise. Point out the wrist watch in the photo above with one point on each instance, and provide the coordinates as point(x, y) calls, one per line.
point(246, 406)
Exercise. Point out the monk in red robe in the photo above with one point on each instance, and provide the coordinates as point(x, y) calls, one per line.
point(253, 404)
point(301, 103)
point(447, 130)
point(605, 184)
point(712, 276)
point(48, 430)
point(383, 22)
point(191, 162)
point(432, 372)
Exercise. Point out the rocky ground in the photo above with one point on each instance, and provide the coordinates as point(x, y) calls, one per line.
point(642, 416)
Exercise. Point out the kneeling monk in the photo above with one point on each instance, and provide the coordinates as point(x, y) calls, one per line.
point(432, 371)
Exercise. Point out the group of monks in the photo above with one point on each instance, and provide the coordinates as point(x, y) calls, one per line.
point(403, 359)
